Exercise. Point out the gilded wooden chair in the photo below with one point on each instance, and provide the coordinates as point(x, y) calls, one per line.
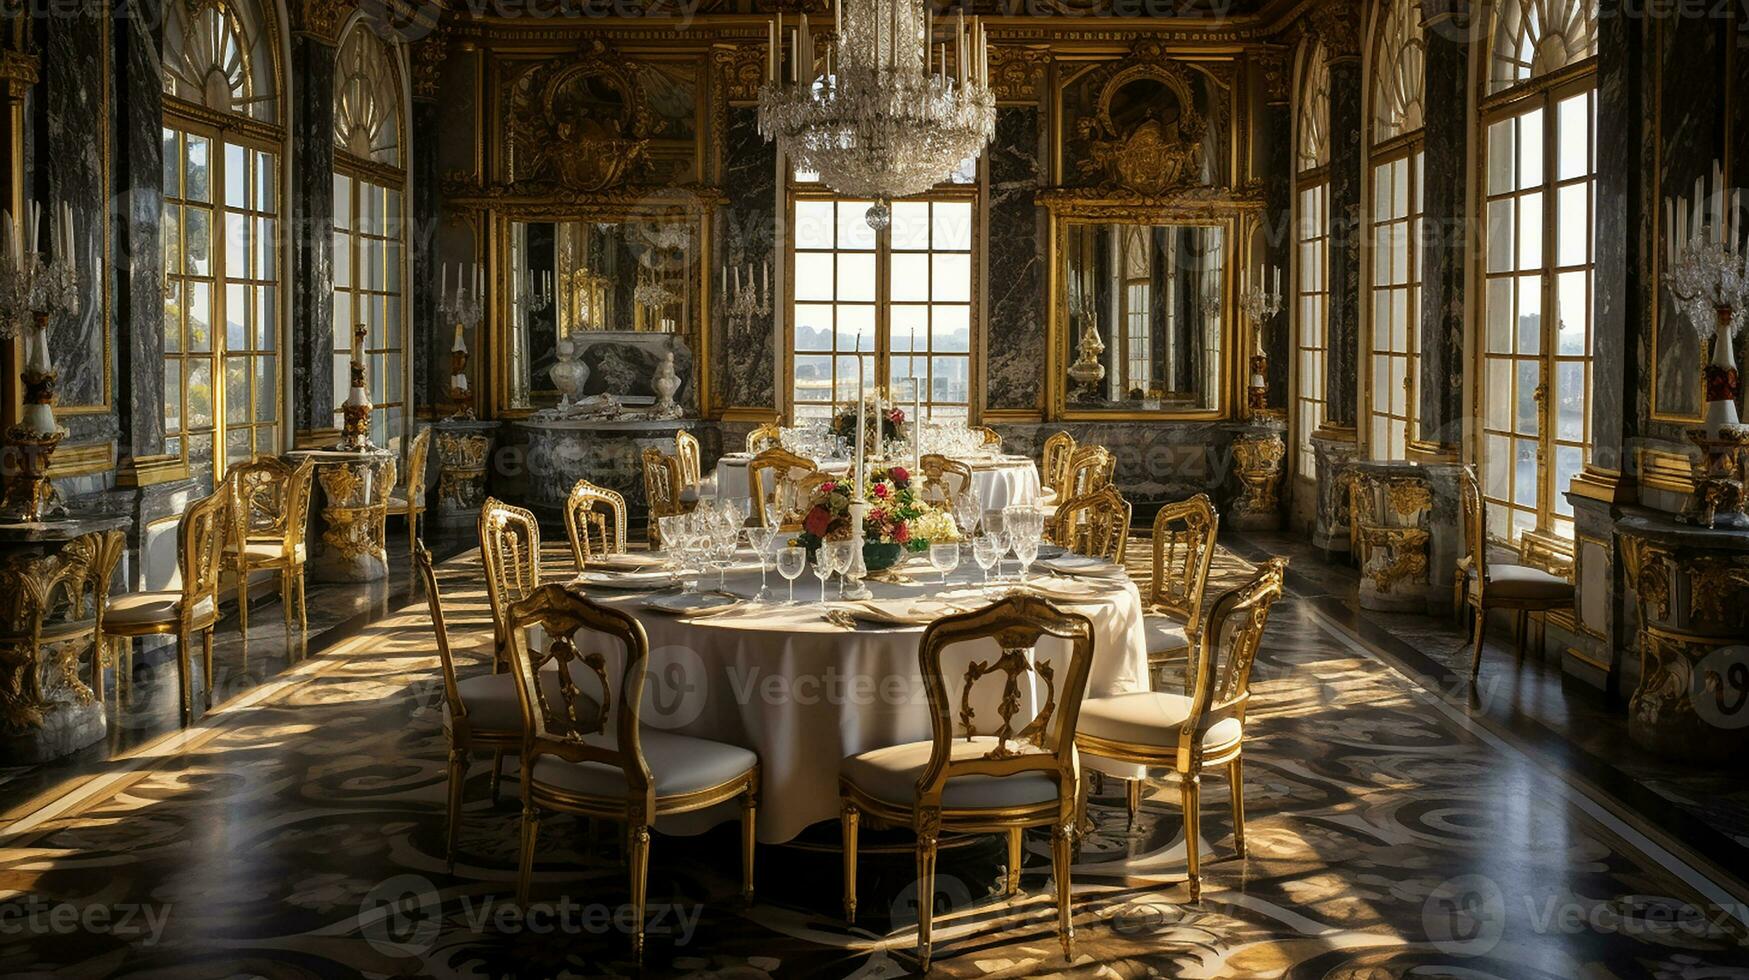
point(1094, 524)
point(409, 501)
point(1090, 468)
point(510, 552)
point(593, 758)
point(1493, 585)
point(1054, 467)
point(1199, 731)
point(781, 483)
point(481, 712)
point(1184, 547)
point(1002, 780)
point(272, 509)
point(105, 550)
point(194, 608)
point(662, 486)
point(595, 520)
point(693, 482)
point(991, 436)
point(768, 435)
point(944, 480)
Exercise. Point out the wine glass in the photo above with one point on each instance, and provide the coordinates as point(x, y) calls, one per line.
point(945, 558)
point(824, 565)
point(839, 554)
point(725, 537)
point(1026, 546)
point(790, 563)
point(996, 526)
point(986, 552)
point(670, 529)
point(965, 512)
point(762, 537)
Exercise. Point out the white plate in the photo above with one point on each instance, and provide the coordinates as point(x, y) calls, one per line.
point(1080, 565)
point(628, 581)
point(627, 562)
point(687, 604)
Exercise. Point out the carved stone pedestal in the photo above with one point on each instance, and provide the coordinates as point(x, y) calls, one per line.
point(1257, 462)
point(1692, 589)
point(1333, 452)
point(464, 447)
point(1390, 514)
point(355, 495)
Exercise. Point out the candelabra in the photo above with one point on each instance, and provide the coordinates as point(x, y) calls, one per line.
point(1708, 275)
point(466, 311)
point(34, 291)
point(355, 410)
point(1260, 304)
point(745, 304)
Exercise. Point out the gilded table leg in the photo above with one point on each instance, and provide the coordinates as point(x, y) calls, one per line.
point(848, 818)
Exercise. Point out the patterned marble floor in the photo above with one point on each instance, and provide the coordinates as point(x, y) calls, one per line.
point(297, 831)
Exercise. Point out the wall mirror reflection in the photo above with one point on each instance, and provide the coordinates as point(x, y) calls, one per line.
point(617, 290)
point(1144, 308)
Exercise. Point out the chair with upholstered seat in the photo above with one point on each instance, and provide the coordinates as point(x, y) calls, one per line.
point(510, 552)
point(1090, 468)
point(193, 608)
point(603, 763)
point(272, 508)
point(1094, 524)
point(768, 435)
point(595, 521)
point(1013, 775)
point(409, 500)
point(1184, 547)
point(480, 712)
point(944, 480)
point(662, 486)
point(1059, 450)
point(1495, 585)
point(1199, 731)
point(781, 484)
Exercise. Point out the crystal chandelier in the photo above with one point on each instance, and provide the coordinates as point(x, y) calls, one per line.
point(889, 119)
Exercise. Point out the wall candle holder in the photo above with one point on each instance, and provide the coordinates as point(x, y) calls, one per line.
point(466, 310)
point(746, 303)
point(1260, 304)
point(34, 290)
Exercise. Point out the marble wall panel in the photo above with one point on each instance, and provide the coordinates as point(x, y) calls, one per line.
point(1341, 379)
point(312, 235)
point(1015, 344)
point(743, 355)
point(137, 182)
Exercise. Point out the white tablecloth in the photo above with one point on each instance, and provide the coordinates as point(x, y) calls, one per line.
point(998, 482)
point(804, 693)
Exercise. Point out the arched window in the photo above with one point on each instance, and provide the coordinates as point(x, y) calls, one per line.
point(369, 227)
point(1393, 343)
point(221, 233)
point(1312, 239)
point(1539, 173)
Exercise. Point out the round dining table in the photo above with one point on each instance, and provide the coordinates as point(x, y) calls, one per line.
point(998, 481)
point(803, 689)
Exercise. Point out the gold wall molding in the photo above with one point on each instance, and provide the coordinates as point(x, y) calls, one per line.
point(1147, 156)
point(547, 134)
point(1018, 72)
point(1663, 470)
point(82, 460)
point(320, 19)
point(1129, 205)
point(148, 471)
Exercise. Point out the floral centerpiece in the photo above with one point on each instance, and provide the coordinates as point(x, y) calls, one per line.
point(898, 519)
point(892, 421)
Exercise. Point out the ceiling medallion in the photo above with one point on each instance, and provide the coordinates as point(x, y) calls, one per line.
point(889, 119)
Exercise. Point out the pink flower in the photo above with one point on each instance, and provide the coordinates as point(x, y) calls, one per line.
point(880, 490)
point(900, 474)
point(828, 486)
point(901, 533)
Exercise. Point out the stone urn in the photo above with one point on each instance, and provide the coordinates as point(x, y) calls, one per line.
point(665, 383)
point(569, 374)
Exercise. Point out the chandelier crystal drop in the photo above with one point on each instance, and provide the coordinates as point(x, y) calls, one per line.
point(888, 113)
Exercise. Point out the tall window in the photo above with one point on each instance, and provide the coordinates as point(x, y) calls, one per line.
point(369, 230)
point(221, 234)
point(902, 296)
point(1138, 300)
point(1540, 131)
point(1312, 265)
point(1394, 341)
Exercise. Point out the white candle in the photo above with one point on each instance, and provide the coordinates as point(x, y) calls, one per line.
point(1669, 233)
point(959, 44)
point(806, 51)
point(725, 271)
point(479, 281)
point(443, 293)
point(838, 18)
point(459, 344)
point(861, 421)
point(771, 49)
point(36, 218)
point(766, 265)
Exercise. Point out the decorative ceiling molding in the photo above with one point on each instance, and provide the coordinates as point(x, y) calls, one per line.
point(1017, 72)
point(1339, 24)
point(1277, 69)
point(320, 19)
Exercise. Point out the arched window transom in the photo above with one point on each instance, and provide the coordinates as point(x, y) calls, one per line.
point(1401, 75)
point(367, 99)
point(1535, 37)
point(1312, 149)
point(216, 55)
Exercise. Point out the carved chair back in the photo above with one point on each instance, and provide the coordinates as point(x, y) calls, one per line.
point(510, 550)
point(416, 458)
point(1095, 524)
point(1043, 744)
point(263, 488)
point(1475, 526)
point(661, 486)
point(1184, 547)
point(564, 726)
point(686, 450)
point(991, 436)
point(944, 480)
point(595, 520)
point(200, 548)
point(767, 436)
point(1089, 469)
point(1059, 451)
point(1219, 685)
point(781, 484)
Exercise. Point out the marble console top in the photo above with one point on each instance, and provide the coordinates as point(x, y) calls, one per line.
point(607, 425)
point(1659, 526)
point(62, 529)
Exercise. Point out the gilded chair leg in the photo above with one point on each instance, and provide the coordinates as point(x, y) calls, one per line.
point(206, 657)
point(303, 614)
point(1523, 627)
point(848, 817)
point(285, 599)
point(749, 841)
point(1133, 797)
point(525, 866)
point(925, 896)
point(1013, 881)
point(640, 861)
point(1481, 631)
point(458, 776)
point(242, 598)
point(1192, 832)
point(497, 771)
point(1236, 776)
point(185, 675)
point(1061, 859)
point(98, 647)
point(127, 645)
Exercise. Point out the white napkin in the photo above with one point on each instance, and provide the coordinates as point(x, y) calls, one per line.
point(626, 562)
